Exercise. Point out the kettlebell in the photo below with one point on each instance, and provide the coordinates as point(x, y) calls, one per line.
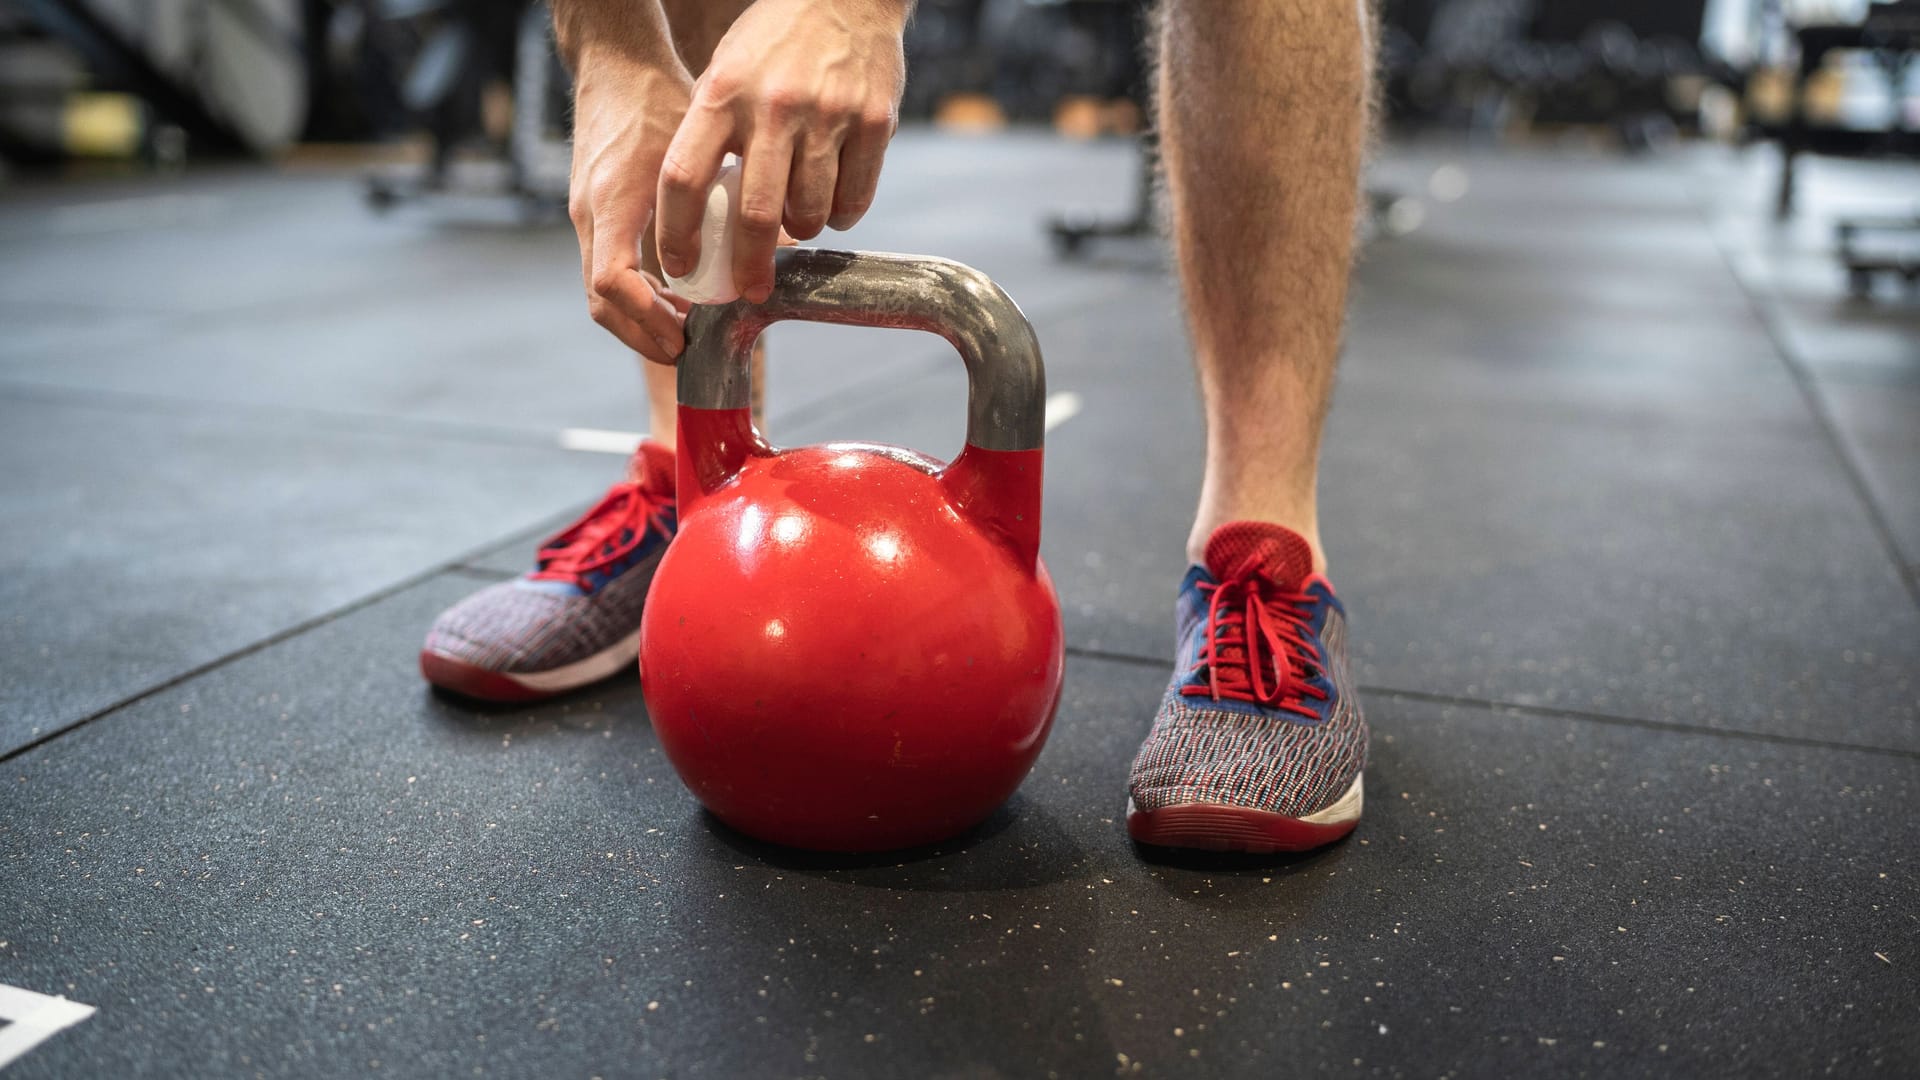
point(852, 647)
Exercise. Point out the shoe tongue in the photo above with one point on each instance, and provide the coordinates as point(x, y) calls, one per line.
point(1274, 552)
point(652, 467)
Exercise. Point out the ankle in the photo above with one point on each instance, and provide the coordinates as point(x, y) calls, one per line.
point(661, 428)
point(1307, 525)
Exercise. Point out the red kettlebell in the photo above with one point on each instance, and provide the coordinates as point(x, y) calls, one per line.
point(850, 647)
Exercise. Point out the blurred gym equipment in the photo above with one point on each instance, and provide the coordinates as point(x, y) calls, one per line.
point(1118, 29)
point(450, 63)
point(1071, 232)
point(1893, 255)
point(1498, 68)
point(1887, 38)
point(219, 76)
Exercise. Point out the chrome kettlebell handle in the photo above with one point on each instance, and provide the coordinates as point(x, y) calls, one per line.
point(1006, 381)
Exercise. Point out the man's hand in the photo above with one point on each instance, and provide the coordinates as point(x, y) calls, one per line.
point(807, 92)
point(627, 103)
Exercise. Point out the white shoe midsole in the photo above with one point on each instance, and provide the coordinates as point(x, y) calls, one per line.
point(581, 672)
point(1344, 809)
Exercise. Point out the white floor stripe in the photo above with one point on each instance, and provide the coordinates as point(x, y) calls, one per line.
point(600, 441)
point(1062, 407)
point(32, 1018)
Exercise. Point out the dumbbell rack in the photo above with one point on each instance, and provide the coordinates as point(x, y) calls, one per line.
point(1070, 233)
point(532, 164)
point(1863, 267)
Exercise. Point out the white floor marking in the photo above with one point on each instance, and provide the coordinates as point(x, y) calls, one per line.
point(600, 441)
point(32, 1019)
point(1062, 407)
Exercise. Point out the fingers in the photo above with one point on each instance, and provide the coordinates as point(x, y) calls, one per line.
point(630, 303)
point(810, 188)
point(620, 296)
point(639, 336)
point(666, 318)
point(692, 161)
point(658, 335)
point(765, 166)
point(859, 169)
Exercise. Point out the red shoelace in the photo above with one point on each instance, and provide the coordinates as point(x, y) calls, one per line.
point(604, 535)
point(1250, 623)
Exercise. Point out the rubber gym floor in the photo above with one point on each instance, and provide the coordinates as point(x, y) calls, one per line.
point(1621, 490)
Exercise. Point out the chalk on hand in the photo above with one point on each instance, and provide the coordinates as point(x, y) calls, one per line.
point(712, 279)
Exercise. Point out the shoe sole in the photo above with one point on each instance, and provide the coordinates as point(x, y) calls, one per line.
point(452, 673)
point(1217, 827)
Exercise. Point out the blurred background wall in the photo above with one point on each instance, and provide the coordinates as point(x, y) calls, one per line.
point(156, 81)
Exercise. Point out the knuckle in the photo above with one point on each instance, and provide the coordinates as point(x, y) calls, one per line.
point(759, 216)
point(602, 191)
point(785, 102)
point(877, 122)
point(839, 106)
point(718, 86)
point(605, 282)
point(676, 175)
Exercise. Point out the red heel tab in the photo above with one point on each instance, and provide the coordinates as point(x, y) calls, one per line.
point(1275, 552)
point(653, 467)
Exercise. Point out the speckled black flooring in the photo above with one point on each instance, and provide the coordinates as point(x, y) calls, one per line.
point(1619, 490)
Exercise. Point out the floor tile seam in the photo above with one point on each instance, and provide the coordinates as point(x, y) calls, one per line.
point(1855, 375)
point(1840, 444)
point(1591, 415)
point(35, 194)
point(1514, 708)
point(1765, 314)
point(461, 566)
point(893, 377)
point(179, 321)
point(885, 378)
point(176, 322)
point(460, 562)
point(338, 420)
point(271, 310)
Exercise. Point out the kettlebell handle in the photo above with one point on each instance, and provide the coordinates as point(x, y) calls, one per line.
point(1006, 381)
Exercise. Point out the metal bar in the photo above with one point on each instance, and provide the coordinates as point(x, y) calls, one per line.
point(1006, 378)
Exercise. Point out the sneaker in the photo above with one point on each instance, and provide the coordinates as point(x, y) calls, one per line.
point(576, 618)
point(1259, 743)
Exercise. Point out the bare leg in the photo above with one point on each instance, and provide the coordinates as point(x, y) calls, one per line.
point(1264, 121)
point(697, 26)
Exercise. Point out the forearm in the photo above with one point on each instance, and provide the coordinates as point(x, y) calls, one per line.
point(636, 28)
point(901, 10)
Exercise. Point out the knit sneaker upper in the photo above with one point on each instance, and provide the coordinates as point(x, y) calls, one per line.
point(1260, 712)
